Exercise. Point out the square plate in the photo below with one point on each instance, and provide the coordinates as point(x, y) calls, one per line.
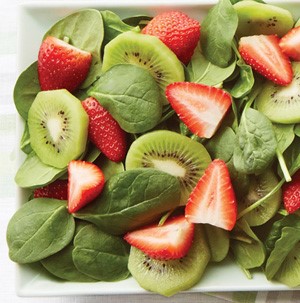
point(35, 18)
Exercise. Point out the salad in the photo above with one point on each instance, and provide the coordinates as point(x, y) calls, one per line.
point(157, 145)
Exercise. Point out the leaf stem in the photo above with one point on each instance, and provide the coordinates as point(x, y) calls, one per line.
point(283, 166)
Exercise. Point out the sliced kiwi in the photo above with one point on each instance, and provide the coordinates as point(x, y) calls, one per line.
point(173, 153)
point(260, 18)
point(145, 51)
point(281, 104)
point(58, 127)
point(168, 277)
point(259, 187)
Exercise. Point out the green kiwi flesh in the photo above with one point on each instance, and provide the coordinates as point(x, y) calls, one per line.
point(172, 153)
point(168, 277)
point(260, 186)
point(58, 127)
point(259, 18)
point(145, 51)
point(281, 104)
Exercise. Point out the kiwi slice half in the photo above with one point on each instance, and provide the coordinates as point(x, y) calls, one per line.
point(58, 127)
point(260, 186)
point(172, 153)
point(260, 18)
point(281, 104)
point(168, 277)
point(145, 51)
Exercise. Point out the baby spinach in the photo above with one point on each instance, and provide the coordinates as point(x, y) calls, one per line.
point(131, 95)
point(40, 228)
point(131, 199)
point(297, 130)
point(99, 255)
point(256, 143)
point(215, 41)
point(25, 140)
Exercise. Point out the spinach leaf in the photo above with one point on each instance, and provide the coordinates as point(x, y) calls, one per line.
point(26, 89)
point(297, 130)
point(200, 70)
point(131, 95)
point(215, 41)
point(25, 141)
point(256, 143)
point(132, 199)
point(40, 228)
point(292, 156)
point(99, 255)
point(108, 167)
point(284, 135)
point(138, 20)
point(83, 29)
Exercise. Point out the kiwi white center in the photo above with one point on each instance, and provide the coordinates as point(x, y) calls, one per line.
point(169, 166)
point(54, 127)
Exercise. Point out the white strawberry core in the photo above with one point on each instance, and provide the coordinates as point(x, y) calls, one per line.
point(54, 126)
point(170, 167)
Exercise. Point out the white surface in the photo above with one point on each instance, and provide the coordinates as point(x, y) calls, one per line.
point(29, 282)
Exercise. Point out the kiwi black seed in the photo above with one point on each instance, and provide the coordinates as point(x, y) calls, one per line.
point(259, 187)
point(173, 153)
point(260, 18)
point(167, 277)
point(147, 52)
point(281, 104)
point(58, 127)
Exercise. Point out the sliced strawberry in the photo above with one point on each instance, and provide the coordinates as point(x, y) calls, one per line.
point(61, 65)
point(213, 200)
point(291, 193)
point(86, 181)
point(56, 190)
point(199, 106)
point(178, 31)
point(172, 240)
point(264, 55)
point(104, 131)
point(290, 43)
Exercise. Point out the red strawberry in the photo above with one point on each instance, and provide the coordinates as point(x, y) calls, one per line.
point(104, 131)
point(199, 106)
point(291, 193)
point(56, 190)
point(178, 31)
point(213, 200)
point(290, 43)
point(61, 65)
point(264, 55)
point(172, 240)
point(86, 181)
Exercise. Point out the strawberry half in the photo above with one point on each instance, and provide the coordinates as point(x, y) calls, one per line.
point(264, 55)
point(86, 181)
point(290, 43)
point(55, 190)
point(199, 106)
point(178, 31)
point(172, 240)
point(291, 193)
point(61, 65)
point(104, 131)
point(213, 200)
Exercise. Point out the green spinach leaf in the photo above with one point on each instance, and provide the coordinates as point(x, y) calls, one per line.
point(297, 130)
point(25, 140)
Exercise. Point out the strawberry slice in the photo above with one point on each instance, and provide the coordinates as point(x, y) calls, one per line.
point(61, 65)
point(264, 55)
point(290, 43)
point(178, 31)
point(291, 193)
point(213, 200)
point(86, 181)
point(199, 106)
point(104, 131)
point(56, 190)
point(172, 240)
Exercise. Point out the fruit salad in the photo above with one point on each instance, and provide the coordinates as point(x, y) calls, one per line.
point(155, 146)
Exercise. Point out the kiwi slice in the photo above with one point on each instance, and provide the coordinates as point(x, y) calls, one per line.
point(172, 153)
point(58, 127)
point(281, 104)
point(145, 51)
point(260, 186)
point(260, 18)
point(167, 277)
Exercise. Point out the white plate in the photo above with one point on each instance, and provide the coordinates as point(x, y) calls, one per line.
point(35, 19)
